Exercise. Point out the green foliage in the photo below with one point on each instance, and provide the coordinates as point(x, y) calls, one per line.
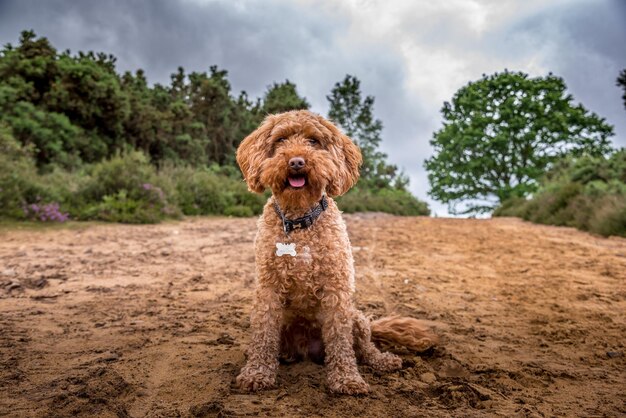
point(394, 201)
point(502, 133)
point(21, 185)
point(588, 193)
point(207, 192)
point(238, 211)
point(621, 82)
point(70, 108)
point(355, 116)
point(126, 172)
point(282, 98)
point(17, 174)
point(87, 90)
point(53, 137)
point(150, 206)
point(125, 188)
point(76, 109)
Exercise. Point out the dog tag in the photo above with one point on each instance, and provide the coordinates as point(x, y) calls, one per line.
point(285, 249)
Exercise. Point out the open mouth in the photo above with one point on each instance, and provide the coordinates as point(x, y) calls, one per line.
point(296, 180)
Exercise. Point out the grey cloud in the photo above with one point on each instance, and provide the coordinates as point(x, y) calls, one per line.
point(585, 46)
point(256, 43)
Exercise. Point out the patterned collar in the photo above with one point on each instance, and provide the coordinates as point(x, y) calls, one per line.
point(304, 221)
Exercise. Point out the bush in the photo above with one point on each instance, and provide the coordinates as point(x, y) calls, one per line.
point(610, 217)
point(394, 201)
point(123, 172)
point(514, 206)
point(23, 192)
point(588, 194)
point(239, 211)
point(205, 192)
point(121, 208)
point(125, 188)
point(552, 205)
point(17, 173)
point(198, 192)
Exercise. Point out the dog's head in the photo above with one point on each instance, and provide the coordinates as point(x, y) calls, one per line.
point(299, 155)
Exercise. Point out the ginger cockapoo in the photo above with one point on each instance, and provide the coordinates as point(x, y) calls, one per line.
point(305, 272)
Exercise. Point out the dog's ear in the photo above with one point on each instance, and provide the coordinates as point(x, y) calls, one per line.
point(349, 160)
point(251, 153)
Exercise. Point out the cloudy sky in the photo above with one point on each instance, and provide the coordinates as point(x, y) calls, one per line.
point(410, 55)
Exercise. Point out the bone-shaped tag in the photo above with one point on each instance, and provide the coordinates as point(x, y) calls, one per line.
point(282, 249)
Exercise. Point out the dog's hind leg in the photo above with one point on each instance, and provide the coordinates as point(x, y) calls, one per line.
point(365, 349)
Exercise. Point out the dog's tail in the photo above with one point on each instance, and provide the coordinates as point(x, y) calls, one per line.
point(408, 332)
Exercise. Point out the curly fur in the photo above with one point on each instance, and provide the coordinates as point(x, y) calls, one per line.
point(304, 305)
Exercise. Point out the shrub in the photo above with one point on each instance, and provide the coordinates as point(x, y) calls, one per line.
point(122, 172)
point(610, 217)
point(198, 192)
point(19, 181)
point(394, 201)
point(587, 193)
point(122, 208)
point(239, 211)
point(125, 188)
point(514, 206)
point(205, 192)
point(551, 205)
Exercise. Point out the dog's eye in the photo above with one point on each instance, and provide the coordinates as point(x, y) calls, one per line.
point(280, 140)
point(313, 141)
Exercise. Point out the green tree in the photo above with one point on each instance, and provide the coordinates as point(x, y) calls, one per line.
point(621, 82)
point(142, 126)
point(87, 90)
point(500, 135)
point(223, 117)
point(30, 68)
point(355, 116)
point(76, 108)
point(282, 97)
point(71, 108)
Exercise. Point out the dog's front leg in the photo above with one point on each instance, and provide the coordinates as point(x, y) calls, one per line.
point(266, 319)
point(336, 316)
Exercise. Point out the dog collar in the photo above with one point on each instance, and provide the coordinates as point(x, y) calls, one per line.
point(304, 221)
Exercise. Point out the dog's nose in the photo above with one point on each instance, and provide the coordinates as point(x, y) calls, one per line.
point(296, 163)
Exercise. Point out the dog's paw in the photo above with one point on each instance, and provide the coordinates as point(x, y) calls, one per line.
point(254, 380)
point(386, 362)
point(349, 385)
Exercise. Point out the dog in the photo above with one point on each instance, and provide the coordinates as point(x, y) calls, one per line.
point(304, 306)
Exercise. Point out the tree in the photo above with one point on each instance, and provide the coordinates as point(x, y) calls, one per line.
point(204, 123)
point(500, 135)
point(70, 108)
point(282, 97)
point(621, 81)
point(355, 116)
point(87, 90)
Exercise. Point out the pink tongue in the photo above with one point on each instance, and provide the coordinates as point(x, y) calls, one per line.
point(296, 181)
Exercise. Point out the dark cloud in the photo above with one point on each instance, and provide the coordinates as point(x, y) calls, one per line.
point(584, 44)
point(256, 43)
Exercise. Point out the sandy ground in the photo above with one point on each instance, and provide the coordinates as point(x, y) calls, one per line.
point(133, 321)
